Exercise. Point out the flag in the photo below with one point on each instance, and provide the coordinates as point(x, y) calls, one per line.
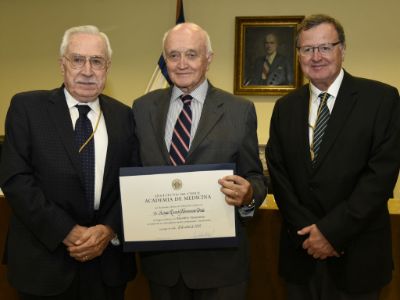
point(160, 78)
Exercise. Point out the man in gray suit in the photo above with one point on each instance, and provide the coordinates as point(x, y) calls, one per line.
point(223, 130)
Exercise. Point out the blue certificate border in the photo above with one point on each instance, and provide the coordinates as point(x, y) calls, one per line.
point(164, 245)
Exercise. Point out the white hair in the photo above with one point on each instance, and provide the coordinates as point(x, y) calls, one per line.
point(88, 29)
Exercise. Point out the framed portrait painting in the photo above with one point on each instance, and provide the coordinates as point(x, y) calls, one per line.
point(265, 55)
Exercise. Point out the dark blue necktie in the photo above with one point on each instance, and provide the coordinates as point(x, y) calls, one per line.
point(181, 135)
point(85, 145)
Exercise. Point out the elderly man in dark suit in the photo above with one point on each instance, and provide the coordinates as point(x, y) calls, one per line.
point(59, 172)
point(273, 68)
point(333, 155)
point(222, 130)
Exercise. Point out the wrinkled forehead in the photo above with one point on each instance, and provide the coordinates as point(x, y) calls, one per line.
point(87, 44)
point(183, 40)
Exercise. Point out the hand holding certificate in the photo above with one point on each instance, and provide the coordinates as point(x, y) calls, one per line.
point(181, 207)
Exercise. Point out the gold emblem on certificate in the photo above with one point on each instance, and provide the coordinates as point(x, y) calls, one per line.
point(176, 184)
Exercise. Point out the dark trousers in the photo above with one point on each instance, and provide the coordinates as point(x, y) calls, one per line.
point(181, 292)
point(87, 285)
point(322, 287)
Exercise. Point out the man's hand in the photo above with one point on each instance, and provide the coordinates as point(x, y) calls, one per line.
point(74, 235)
point(91, 243)
point(237, 190)
point(316, 244)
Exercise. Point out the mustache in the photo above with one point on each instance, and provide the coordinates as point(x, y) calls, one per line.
point(86, 81)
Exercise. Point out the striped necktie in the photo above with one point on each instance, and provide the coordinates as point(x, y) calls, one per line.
point(85, 145)
point(323, 115)
point(181, 135)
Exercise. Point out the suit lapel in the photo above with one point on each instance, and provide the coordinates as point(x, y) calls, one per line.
point(112, 142)
point(158, 116)
point(276, 61)
point(302, 127)
point(61, 118)
point(344, 103)
point(213, 110)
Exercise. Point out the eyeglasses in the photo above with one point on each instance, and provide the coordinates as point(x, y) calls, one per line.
point(176, 56)
point(79, 61)
point(323, 49)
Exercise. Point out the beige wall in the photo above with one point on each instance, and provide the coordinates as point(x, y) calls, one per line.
point(30, 33)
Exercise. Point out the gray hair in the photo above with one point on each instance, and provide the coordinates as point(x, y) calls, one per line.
point(315, 20)
point(88, 29)
point(193, 26)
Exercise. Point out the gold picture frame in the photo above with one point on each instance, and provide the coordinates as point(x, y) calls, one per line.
point(255, 39)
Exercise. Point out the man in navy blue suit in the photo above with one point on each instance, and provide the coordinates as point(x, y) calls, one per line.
point(333, 155)
point(63, 239)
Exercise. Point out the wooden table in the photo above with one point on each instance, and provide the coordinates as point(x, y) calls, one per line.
point(263, 231)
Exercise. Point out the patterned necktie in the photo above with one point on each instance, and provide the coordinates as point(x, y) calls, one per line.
point(323, 115)
point(265, 71)
point(181, 135)
point(85, 144)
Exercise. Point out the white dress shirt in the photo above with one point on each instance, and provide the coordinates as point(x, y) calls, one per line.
point(333, 90)
point(100, 140)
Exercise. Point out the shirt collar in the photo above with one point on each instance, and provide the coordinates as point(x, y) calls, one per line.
point(198, 94)
point(71, 102)
point(270, 58)
point(333, 89)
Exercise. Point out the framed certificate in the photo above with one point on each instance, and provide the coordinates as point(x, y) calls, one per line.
point(176, 207)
